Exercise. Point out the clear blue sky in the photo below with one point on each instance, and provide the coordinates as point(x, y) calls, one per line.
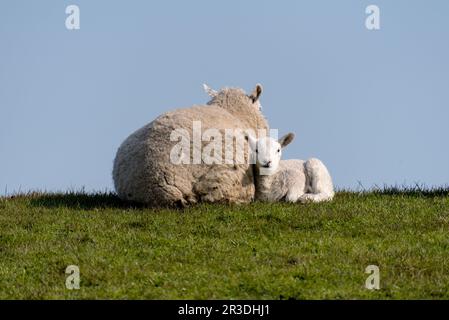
point(373, 105)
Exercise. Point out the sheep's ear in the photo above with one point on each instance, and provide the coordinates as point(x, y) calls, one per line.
point(211, 92)
point(252, 141)
point(254, 96)
point(285, 140)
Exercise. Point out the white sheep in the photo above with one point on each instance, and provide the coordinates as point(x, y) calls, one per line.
point(287, 180)
point(144, 171)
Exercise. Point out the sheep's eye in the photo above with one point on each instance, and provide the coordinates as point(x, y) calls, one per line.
point(257, 150)
point(279, 150)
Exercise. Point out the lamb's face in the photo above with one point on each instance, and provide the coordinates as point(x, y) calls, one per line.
point(268, 152)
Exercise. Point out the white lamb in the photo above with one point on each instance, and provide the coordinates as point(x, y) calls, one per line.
point(288, 180)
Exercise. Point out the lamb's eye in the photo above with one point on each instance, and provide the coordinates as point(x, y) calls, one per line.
point(257, 150)
point(279, 150)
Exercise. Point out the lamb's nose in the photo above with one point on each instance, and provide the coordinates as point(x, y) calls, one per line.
point(268, 164)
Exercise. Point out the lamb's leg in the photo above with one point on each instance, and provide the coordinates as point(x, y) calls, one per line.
point(320, 182)
point(295, 179)
point(294, 194)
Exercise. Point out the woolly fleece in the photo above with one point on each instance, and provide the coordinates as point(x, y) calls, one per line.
point(143, 172)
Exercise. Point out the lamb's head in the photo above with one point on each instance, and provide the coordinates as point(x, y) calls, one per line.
point(268, 151)
point(229, 98)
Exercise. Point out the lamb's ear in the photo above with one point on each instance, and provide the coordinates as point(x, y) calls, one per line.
point(211, 92)
point(285, 140)
point(254, 96)
point(252, 141)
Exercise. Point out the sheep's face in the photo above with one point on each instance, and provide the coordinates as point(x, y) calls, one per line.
point(268, 152)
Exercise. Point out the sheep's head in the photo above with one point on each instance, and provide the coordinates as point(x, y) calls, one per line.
point(268, 151)
point(229, 97)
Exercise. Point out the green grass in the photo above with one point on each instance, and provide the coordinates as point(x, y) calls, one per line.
point(257, 251)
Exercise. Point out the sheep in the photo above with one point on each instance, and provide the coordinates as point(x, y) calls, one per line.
point(144, 172)
point(287, 180)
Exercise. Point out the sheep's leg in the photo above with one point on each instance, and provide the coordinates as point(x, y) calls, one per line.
point(320, 187)
point(312, 197)
point(294, 178)
point(294, 193)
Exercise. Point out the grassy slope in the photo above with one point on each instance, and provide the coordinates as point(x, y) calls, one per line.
point(267, 251)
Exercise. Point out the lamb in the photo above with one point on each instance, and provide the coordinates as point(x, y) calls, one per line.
point(287, 180)
point(143, 171)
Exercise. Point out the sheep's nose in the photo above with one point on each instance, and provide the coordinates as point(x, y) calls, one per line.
point(267, 164)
